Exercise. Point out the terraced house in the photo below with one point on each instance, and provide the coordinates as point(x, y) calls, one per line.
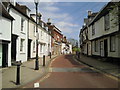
point(103, 34)
point(5, 36)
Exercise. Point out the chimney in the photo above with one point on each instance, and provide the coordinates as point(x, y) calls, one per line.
point(89, 13)
point(49, 22)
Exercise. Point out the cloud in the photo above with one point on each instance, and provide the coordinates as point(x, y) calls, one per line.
point(62, 20)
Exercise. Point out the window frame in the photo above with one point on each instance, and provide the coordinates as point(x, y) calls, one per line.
point(112, 47)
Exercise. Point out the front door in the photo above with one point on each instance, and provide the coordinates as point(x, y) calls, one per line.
point(4, 55)
point(29, 48)
point(13, 48)
point(105, 48)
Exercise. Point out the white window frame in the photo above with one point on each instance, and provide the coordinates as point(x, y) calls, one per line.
point(112, 43)
point(22, 44)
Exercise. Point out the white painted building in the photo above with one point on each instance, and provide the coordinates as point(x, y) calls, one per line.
point(66, 48)
point(44, 40)
point(32, 39)
point(103, 34)
point(19, 32)
point(5, 37)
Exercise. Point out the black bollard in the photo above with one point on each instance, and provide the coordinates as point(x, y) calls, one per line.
point(18, 75)
point(43, 60)
point(50, 55)
point(18, 72)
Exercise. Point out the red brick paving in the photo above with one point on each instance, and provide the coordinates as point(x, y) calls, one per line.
point(74, 79)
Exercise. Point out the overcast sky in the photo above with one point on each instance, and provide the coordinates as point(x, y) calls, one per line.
point(67, 16)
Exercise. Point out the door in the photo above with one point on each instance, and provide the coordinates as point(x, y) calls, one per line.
point(4, 55)
point(29, 48)
point(87, 49)
point(105, 48)
point(13, 48)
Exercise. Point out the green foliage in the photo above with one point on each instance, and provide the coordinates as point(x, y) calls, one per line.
point(76, 49)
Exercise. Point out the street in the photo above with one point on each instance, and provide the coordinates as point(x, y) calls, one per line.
point(65, 72)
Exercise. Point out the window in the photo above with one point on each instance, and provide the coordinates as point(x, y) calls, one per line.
point(112, 43)
point(96, 46)
point(107, 22)
point(33, 46)
point(41, 33)
point(22, 45)
point(34, 30)
point(93, 29)
point(22, 24)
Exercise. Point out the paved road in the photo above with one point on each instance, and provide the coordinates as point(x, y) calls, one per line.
point(64, 72)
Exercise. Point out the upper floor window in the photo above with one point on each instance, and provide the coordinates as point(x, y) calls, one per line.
point(34, 29)
point(107, 21)
point(93, 29)
point(112, 43)
point(22, 24)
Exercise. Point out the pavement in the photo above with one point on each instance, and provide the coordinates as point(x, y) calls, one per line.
point(66, 72)
point(27, 73)
point(111, 68)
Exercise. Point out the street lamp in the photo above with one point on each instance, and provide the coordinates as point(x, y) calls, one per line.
point(36, 62)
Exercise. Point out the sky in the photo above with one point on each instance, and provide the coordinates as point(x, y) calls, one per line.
point(67, 16)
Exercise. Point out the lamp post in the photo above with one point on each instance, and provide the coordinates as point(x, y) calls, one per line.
point(36, 62)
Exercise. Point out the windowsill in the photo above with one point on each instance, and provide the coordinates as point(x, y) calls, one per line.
point(22, 52)
point(112, 51)
point(22, 32)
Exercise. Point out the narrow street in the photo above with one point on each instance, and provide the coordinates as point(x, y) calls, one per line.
point(65, 72)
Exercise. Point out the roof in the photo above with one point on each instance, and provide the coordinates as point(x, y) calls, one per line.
point(5, 14)
point(19, 10)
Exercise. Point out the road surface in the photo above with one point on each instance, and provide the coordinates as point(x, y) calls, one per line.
point(65, 72)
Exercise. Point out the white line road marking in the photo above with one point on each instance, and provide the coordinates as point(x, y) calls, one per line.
point(36, 85)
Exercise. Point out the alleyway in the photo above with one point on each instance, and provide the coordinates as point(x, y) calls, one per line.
point(65, 72)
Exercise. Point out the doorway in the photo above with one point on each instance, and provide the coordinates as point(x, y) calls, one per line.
point(29, 48)
point(4, 55)
point(105, 48)
point(13, 48)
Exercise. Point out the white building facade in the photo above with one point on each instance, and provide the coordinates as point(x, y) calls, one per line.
point(5, 37)
point(19, 34)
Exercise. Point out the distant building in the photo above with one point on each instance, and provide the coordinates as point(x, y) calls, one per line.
point(66, 47)
point(57, 38)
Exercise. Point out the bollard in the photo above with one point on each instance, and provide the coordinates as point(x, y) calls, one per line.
point(43, 60)
point(50, 55)
point(18, 73)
